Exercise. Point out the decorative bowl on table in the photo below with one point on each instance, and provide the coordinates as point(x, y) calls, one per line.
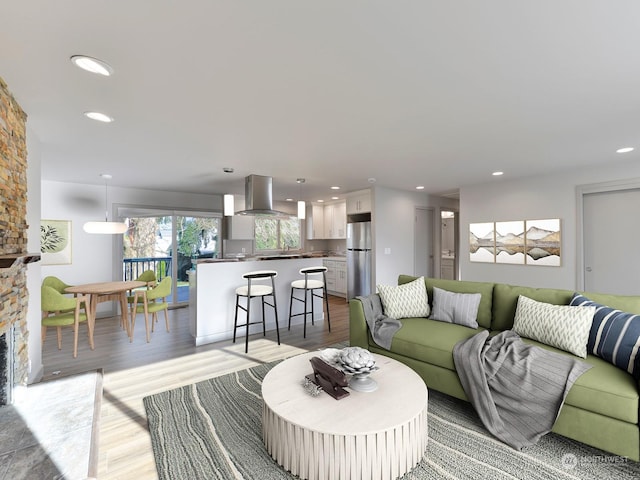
point(331, 356)
point(358, 363)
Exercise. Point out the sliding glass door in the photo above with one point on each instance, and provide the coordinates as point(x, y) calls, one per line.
point(167, 242)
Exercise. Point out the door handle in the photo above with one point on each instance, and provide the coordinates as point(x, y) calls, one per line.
point(588, 269)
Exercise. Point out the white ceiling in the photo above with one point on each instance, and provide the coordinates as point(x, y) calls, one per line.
point(438, 93)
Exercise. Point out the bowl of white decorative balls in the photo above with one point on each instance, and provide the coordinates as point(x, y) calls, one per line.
point(359, 363)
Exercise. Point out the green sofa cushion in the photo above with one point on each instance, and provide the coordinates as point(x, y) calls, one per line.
point(484, 288)
point(430, 341)
point(604, 389)
point(505, 301)
point(626, 303)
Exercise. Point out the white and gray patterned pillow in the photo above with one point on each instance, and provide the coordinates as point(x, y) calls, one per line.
point(459, 308)
point(562, 326)
point(405, 301)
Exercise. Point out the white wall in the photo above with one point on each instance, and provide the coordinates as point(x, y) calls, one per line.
point(393, 227)
point(33, 246)
point(95, 257)
point(545, 196)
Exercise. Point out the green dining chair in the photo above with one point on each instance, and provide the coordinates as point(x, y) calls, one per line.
point(152, 301)
point(55, 283)
point(58, 285)
point(149, 277)
point(60, 311)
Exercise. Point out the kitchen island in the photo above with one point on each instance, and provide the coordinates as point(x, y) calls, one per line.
point(212, 297)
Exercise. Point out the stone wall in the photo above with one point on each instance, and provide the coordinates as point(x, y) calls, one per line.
point(13, 227)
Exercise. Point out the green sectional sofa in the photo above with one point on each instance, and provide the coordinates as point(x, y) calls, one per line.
point(601, 409)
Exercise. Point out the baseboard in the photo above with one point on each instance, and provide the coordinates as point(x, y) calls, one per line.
point(95, 427)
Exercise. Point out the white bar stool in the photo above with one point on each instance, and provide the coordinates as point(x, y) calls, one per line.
point(252, 290)
point(309, 285)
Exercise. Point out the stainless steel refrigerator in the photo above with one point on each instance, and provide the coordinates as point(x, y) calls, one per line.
point(359, 260)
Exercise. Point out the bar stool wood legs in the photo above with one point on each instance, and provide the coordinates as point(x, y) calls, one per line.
point(252, 290)
point(309, 285)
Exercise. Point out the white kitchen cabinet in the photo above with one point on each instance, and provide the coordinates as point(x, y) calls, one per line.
point(327, 221)
point(315, 222)
point(335, 220)
point(359, 202)
point(330, 274)
point(339, 220)
point(341, 277)
point(447, 268)
point(336, 276)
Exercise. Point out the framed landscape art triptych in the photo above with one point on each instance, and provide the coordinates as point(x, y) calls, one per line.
point(518, 242)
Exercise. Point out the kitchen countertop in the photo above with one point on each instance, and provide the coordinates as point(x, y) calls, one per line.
point(271, 257)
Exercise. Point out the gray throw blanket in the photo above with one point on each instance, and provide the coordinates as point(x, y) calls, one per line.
point(516, 389)
point(382, 328)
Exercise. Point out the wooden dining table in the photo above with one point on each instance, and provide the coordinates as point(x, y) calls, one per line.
point(108, 291)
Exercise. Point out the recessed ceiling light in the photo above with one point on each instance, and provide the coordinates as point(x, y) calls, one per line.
point(289, 199)
point(335, 198)
point(335, 188)
point(497, 174)
point(320, 201)
point(92, 65)
point(100, 117)
point(625, 150)
point(420, 187)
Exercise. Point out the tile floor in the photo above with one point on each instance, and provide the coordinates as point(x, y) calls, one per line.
point(49, 433)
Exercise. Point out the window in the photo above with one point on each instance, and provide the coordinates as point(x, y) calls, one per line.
point(274, 233)
point(166, 241)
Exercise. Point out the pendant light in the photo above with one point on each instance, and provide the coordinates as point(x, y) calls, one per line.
point(106, 227)
point(228, 205)
point(302, 208)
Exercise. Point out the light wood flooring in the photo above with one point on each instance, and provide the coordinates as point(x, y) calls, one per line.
point(138, 369)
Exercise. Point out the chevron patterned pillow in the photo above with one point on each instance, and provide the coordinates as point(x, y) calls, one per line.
point(561, 326)
point(404, 301)
point(614, 336)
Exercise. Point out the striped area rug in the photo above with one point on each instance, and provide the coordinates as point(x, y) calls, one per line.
point(212, 430)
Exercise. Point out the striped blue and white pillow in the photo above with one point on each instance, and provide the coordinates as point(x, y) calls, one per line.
point(614, 335)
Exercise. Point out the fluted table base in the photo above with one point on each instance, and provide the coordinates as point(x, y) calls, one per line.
point(369, 436)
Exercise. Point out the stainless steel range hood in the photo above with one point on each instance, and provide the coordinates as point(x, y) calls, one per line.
point(259, 198)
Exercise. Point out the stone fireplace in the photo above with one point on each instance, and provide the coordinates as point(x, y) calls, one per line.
point(14, 334)
point(7, 361)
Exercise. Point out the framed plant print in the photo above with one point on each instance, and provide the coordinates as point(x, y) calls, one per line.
point(55, 242)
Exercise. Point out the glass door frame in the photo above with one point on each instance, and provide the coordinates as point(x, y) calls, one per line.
point(123, 211)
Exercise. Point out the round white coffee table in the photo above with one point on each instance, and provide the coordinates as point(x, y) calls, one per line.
point(376, 435)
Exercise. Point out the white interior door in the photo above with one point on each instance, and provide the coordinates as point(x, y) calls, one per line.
point(611, 228)
point(423, 255)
